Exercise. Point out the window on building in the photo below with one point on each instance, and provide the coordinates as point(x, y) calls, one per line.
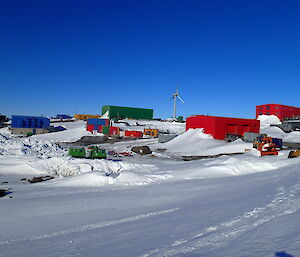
point(260, 108)
point(268, 107)
point(268, 113)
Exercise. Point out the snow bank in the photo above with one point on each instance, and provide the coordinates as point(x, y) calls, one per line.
point(12, 165)
point(273, 131)
point(67, 166)
point(268, 119)
point(91, 179)
point(171, 127)
point(5, 132)
point(105, 115)
point(265, 128)
point(70, 135)
point(292, 137)
point(101, 179)
point(196, 142)
point(28, 146)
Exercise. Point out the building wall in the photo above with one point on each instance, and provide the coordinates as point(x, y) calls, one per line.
point(199, 121)
point(120, 112)
point(281, 111)
point(98, 122)
point(25, 131)
point(133, 133)
point(18, 121)
point(219, 127)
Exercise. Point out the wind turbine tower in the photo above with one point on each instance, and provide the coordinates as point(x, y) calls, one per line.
point(175, 95)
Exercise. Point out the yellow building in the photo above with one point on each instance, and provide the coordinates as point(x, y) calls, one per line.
point(85, 116)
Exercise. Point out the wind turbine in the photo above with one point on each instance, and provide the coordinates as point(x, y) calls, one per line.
point(175, 95)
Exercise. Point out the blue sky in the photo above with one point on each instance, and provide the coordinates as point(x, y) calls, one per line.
point(225, 57)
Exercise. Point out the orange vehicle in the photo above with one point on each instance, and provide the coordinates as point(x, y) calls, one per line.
point(294, 154)
point(266, 147)
point(151, 132)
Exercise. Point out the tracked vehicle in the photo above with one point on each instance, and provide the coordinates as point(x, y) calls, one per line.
point(92, 152)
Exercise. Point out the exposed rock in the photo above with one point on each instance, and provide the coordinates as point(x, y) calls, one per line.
point(4, 192)
point(39, 179)
point(141, 150)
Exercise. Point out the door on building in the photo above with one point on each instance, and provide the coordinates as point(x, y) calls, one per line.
point(231, 129)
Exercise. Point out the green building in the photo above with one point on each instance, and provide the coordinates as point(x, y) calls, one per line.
point(118, 112)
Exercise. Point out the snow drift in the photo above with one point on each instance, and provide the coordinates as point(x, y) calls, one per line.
point(196, 142)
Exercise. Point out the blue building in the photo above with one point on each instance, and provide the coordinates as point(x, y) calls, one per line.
point(27, 125)
point(63, 116)
point(29, 122)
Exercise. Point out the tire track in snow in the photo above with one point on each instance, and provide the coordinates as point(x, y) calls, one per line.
point(284, 202)
point(88, 227)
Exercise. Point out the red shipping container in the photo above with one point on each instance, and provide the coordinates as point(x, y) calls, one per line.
point(114, 131)
point(90, 128)
point(133, 133)
point(219, 127)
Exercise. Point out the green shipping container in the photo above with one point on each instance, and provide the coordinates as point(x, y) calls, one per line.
point(77, 152)
point(91, 153)
point(105, 130)
point(118, 112)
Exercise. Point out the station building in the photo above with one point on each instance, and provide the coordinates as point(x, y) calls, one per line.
point(222, 127)
point(283, 112)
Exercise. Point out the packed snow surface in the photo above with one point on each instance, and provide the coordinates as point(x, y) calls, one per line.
point(154, 205)
point(75, 130)
point(268, 119)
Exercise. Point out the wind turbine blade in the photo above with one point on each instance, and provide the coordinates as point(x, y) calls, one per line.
point(171, 98)
point(180, 99)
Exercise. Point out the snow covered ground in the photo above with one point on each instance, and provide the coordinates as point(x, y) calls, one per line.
point(154, 205)
point(75, 130)
point(265, 128)
point(171, 127)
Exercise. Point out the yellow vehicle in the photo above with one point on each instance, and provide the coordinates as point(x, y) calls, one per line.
point(151, 132)
point(294, 154)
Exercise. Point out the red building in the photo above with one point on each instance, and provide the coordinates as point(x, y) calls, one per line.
point(220, 127)
point(283, 112)
point(133, 133)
